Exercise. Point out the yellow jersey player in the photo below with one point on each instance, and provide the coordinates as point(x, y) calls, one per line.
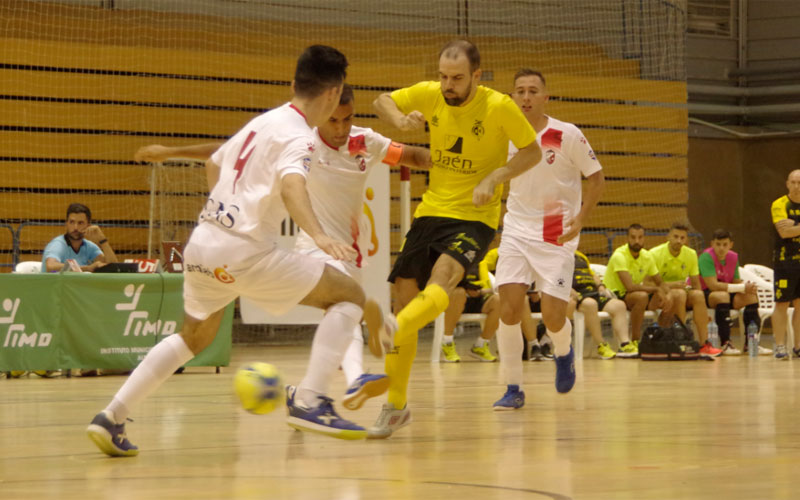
point(470, 127)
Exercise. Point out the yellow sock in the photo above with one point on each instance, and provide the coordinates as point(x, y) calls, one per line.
point(423, 309)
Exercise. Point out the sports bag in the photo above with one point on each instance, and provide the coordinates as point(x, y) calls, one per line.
point(675, 342)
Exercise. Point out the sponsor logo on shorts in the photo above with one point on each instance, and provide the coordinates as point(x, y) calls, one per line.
point(220, 273)
point(223, 276)
point(560, 282)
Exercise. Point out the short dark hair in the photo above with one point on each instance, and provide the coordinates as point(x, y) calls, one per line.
point(453, 48)
point(347, 95)
point(319, 68)
point(679, 226)
point(636, 226)
point(77, 208)
point(529, 72)
point(721, 234)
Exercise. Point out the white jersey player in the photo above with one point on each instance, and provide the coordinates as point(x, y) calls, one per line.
point(256, 178)
point(336, 185)
point(343, 159)
point(540, 236)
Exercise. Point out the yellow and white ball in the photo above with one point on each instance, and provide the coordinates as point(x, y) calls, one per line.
point(259, 387)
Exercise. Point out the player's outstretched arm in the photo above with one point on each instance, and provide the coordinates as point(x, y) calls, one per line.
point(415, 157)
point(388, 111)
point(525, 159)
point(157, 152)
point(295, 198)
point(595, 184)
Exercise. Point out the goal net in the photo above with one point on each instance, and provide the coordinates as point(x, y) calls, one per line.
point(85, 83)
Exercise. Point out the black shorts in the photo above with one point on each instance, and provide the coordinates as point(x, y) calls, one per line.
point(708, 292)
point(602, 300)
point(429, 237)
point(786, 284)
point(474, 305)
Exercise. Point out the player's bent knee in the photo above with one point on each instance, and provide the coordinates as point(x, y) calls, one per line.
point(588, 304)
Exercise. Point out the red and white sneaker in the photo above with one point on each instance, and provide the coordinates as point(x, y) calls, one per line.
point(710, 350)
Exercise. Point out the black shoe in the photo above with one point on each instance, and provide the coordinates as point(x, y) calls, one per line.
point(536, 353)
point(547, 351)
point(796, 352)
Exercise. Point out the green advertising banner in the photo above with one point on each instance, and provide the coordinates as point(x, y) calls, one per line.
point(81, 320)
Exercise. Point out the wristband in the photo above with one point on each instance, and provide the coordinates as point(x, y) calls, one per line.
point(103, 241)
point(735, 287)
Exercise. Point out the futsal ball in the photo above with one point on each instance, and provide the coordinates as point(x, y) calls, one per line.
point(259, 387)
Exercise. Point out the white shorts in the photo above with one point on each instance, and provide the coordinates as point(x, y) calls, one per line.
point(220, 266)
point(525, 261)
point(305, 245)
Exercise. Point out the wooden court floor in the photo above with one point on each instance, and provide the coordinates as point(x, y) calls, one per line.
point(629, 430)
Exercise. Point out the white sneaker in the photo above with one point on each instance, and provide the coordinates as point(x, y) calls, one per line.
point(381, 328)
point(729, 350)
point(390, 420)
point(764, 351)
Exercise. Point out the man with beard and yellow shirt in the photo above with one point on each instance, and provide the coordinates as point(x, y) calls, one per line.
point(470, 128)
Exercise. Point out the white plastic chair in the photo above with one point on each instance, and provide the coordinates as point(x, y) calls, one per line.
point(763, 272)
point(599, 270)
point(768, 275)
point(766, 295)
point(29, 267)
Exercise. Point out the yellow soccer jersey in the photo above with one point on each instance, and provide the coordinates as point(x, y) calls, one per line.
point(467, 143)
point(622, 260)
point(674, 268)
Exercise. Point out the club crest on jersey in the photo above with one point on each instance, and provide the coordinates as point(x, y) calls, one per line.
point(307, 164)
point(435, 121)
point(550, 156)
point(357, 145)
point(477, 129)
point(362, 163)
point(592, 155)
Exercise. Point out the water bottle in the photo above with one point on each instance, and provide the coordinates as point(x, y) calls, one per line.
point(713, 334)
point(752, 341)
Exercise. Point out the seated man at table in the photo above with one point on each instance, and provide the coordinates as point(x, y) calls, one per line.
point(83, 242)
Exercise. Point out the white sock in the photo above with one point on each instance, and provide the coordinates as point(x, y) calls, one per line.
point(161, 362)
point(480, 342)
point(562, 339)
point(509, 346)
point(331, 340)
point(447, 339)
point(353, 361)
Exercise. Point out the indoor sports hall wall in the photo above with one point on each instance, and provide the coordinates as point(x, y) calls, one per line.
point(84, 83)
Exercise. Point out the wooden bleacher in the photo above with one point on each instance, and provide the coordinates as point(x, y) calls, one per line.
point(75, 111)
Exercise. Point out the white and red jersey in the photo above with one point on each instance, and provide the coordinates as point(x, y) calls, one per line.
point(544, 198)
point(336, 184)
point(247, 198)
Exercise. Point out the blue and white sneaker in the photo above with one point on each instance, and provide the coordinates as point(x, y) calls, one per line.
point(364, 387)
point(110, 436)
point(565, 371)
point(323, 419)
point(513, 399)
